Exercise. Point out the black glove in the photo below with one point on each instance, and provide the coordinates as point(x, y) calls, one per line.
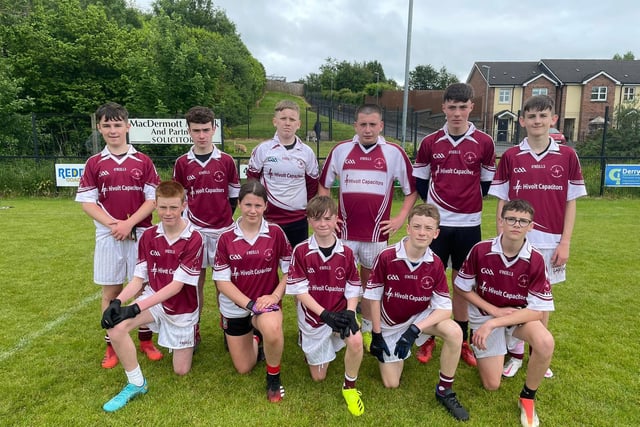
point(126, 312)
point(336, 320)
point(406, 341)
point(378, 345)
point(110, 313)
point(352, 325)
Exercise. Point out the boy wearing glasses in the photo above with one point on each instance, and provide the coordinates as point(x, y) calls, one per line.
point(547, 175)
point(505, 282)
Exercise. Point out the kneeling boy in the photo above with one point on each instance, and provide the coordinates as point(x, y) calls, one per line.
point(169, 257)
point(506, 283)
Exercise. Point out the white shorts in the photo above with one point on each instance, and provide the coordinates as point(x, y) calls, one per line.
point(319, 345)
point(210, 239)
point(365, 252)
point(498, 341)
point(114, 261)
point(556, 274)
point(174, 331)
point(392, 334)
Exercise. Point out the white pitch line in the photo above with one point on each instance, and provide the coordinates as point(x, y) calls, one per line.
point(27, 340)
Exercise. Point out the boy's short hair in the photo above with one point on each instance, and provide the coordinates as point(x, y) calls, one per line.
point(112, 111)
point(458, 92)
point(170, 189)
point(368, 109)
point(539, 103)
point(252, 187)
point(287, 104)
point(200, 115)
point(318, 205)
point(517, 205)
point(425, 209)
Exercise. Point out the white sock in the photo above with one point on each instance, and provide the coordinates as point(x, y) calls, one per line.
point(135, 377)
point(367, 326)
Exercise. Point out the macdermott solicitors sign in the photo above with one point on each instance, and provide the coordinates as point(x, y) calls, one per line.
point(622, 176)
point(165, 131)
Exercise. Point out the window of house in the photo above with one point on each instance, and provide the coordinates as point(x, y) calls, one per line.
point(539, 91)
point(629, 94)
point(505, 96)
point(599, 93)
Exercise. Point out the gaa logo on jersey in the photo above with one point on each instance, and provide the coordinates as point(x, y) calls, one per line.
point(470, 158)
point(379, 163)
point(427, 282)
point(557, 171)
point(340, 274)
point(523, 280)
point(268, 255)
point(218, 176)
point(136, 173)
point(154, 252)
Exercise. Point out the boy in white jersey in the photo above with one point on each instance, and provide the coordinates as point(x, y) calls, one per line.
point(409, 299)
point(288, 169)
point(506, 284)
point(367, 168)
point(547, 175)
point(211, 182)
point(169, 262)
point(117, 190)
point(454, 168)
point(323, 276)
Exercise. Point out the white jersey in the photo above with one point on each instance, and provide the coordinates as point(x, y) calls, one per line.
point(290, 177)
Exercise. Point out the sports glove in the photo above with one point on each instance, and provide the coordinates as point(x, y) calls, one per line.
point(352, 326)
point(109, 314)
point(378, 345)
point(251, 306)
point(406, 341)
point(126, 312)
point(336, 320)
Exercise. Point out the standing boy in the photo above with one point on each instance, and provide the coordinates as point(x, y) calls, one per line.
point(323, 276)
point(548, 176)
point(409, 299)
point(288, 169)
point(211, 182)
point(117, 190)
point(368, 167)
point(454, 168)
point(169, 262)
point(505, 281)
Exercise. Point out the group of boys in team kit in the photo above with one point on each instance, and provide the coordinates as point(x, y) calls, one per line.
point(500, 294)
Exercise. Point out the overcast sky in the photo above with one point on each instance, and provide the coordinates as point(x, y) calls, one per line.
point(292, 38)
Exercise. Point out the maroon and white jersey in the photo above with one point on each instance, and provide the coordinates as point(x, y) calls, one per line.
point(404, 289)
point(209, 186)
point(521, 282)
point(161, 261)
point(290, 177)
point(366, 179)
point(454, 170)
point(118, 184)
point(252, 266)
point(331, 281)
point(546, 180)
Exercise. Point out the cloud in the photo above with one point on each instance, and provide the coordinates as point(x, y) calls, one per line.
point(293, 38)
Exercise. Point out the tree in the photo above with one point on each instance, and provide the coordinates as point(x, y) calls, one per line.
point(629, 56)
point(622, 140)
point(425, 77)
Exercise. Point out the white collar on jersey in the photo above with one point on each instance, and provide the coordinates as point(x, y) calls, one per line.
point(313, 244)
point(401, 252)
point(106, 153)
point(525, 251)
point(215, 154)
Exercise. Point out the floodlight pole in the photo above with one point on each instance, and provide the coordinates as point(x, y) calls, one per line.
point(405, 98)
